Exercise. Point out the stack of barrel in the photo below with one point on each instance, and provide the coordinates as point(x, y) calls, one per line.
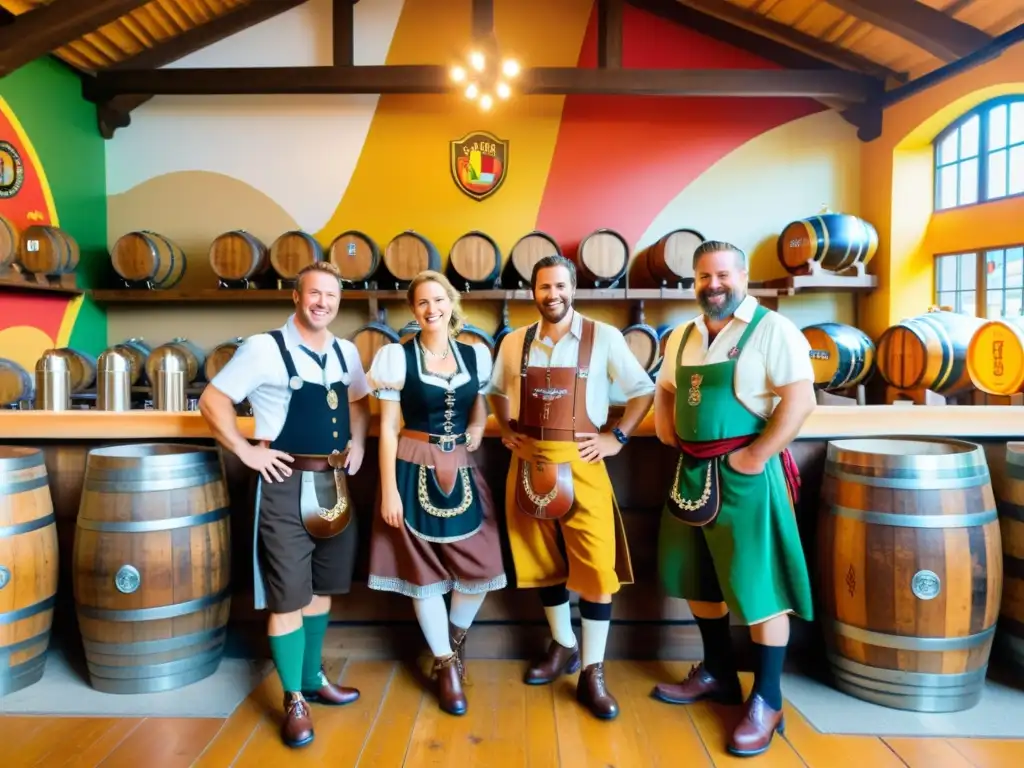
point(38, 249)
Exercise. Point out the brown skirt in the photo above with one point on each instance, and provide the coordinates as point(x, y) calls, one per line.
point(401, 561)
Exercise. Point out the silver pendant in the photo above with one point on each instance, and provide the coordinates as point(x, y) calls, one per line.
point(295, 382)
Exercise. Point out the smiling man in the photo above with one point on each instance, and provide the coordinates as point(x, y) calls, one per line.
point(308, 394)
point(550, 393)
point(733, 392)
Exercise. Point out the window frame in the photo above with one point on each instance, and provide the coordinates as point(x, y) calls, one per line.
point(980, 254)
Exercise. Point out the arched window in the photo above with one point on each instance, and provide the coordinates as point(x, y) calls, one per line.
point(980, 157)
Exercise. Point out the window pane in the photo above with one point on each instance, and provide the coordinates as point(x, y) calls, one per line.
point(993, 271)
point(1017, 122)
point(948, 300)
point(995, 304)
point(997, 127)
point(1014, 267)
point(996, 175)
point(947, 149)
point(1014, 304)
point(968, 303)
point(968, 272)
point(969, 181)
point(1016, 185)
point(947, 186)
point(969, 137)
point(947, 273)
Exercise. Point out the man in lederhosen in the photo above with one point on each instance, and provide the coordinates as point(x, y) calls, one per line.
point(733, 392)
point(550, 395)
point(308, 394)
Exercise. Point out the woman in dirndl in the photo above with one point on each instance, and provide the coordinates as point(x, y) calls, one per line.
point(435, 530)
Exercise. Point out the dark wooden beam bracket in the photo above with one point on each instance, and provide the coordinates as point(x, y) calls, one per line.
point(344, 38)
point(609, 33)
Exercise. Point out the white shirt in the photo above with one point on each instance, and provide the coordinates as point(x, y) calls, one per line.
point(776, 354)
point(257, 372)
point(610, 361)
point(388, 371)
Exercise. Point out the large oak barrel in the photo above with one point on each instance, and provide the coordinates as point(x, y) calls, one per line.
point(408, 254)
point(237, 255)
point(47, 250)
point(667, 262)
point(1009, 643)
point(471, 334)
point(474, 261)
point(928, 352)
point(219, 357)
point(601, 258)
point(356, 256)
point(527, 251)
point(408, 330)
point(643, 342)
point(10, 236)
point(193, 356)
point(995, 356)
point(834, 241)
point(28, 566)
point(16, 384)
point(137, 351)
point(152, 566)
point(292, 251)
point(370, 339)
point(841, 355)
point(910, 571)
point(144, 256)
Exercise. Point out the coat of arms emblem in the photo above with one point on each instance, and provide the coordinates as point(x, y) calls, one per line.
point(479, 163)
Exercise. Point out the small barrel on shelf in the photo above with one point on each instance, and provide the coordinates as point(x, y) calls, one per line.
point(471, 334)
point(356, 255)
point(238, 257)
point(842, 356)
point(148, 258)
point(219, 357)
point(474, 261)
point(601, 258)
point(152, 566)
point(193, 357)
point(408, 254)
point(16, 383)
point(10, 237)
point(830, 241)
point(28, 566)
point(1009, 642)
point(995, 356)
point(910, 571)
point(928, 352)
point(642, 341)
point(528, 250)
point(292, 251)
point(137, 351)
point(666, 262)
point(371, 338)
point(408, 330)
point(47, 250)
point(81, 366)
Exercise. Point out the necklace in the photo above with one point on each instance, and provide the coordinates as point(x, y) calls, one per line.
point(442, 356)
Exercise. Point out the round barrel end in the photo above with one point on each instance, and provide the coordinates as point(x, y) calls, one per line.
point(995, 358)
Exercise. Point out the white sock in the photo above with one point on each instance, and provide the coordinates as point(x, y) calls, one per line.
point(595, 635)
point(464, 608)
point(433, 618)
point(559, 619)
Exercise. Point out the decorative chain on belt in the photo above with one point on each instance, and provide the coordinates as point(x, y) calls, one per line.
point(341, 505)
point(540, 501)
point(685, 504)
point(424, 497)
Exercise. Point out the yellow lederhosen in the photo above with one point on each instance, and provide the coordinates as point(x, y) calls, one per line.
point(594, 536)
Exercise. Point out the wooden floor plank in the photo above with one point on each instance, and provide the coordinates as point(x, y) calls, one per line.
point(231, 739)
point(991, 753)
point(173, 742)
point(927, 753)
point(388, 741)
point(62, 739)
point(828, 750)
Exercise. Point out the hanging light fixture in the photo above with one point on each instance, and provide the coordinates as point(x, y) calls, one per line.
point(485, 77)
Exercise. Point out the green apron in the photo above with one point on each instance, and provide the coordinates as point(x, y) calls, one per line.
point(750, 555)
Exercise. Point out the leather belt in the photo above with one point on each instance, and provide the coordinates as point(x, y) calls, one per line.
point(446, 442)
point(555, 435)
point(306, 463)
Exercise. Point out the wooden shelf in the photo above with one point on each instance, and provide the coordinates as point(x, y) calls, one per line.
point(822, 282)
point(16, 282)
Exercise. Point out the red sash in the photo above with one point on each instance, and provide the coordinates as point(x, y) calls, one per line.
point(712, 448)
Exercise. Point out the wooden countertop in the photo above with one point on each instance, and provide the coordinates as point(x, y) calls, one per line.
point(827, 421)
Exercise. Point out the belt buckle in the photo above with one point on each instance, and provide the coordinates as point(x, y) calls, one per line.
point(447, 440)
point(336, 459)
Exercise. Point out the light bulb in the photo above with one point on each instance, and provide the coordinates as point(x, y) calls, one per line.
point(472, 91)
point(504, 91)
point(458, 74)
point(510, 67)
point(486, 101)
point(477, 60)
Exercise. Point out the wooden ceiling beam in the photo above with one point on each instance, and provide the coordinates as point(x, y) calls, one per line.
point(609, 33)
point(344, 39)
point(932, 30)
point(44, 29)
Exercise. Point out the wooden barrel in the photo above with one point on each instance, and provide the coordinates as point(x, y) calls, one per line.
point(928, 352)
point(504, 329)
point(292, 251)
point(667, 262)
point(474, 261)
point(28, 566)
point(81, 366)
point(841, 355)
point(356, 256)
point(193, 356)
point(147, 257)
point(995, 356)
point(408, 330)
point(527, 251)
point(16, 383)
point(137, 351)
point(642, 341)
point(152, 566)
point(834, 241)
point(370, 339)
point(601, 258)
point(237, 256)
point(219, 357)
point(471, 334)
point(1009, 642)
point(910, 571)
point(10, 236)
point(664, 331)
point(408, 254)
point(46, 250)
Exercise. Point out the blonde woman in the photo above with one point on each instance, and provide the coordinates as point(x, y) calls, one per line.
point(436, 531)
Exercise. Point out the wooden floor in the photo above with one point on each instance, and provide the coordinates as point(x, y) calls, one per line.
point(508, 724)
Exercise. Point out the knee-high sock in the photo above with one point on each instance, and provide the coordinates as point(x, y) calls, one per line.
point(556, 607)
point(315, 628)
point(287, 652)
point(464, 608)
point(432, 615)
point(595, 618)
point(768, 677)
point(717, 640)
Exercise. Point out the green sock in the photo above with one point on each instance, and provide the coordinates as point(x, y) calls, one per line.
point(316, 628)
point(286, 651)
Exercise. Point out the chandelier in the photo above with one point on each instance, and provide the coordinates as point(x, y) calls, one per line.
point(486, 75)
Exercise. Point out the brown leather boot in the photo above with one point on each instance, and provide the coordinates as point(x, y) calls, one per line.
point(331, 694)
point(592, 692)
point(457, 637)
point(698, 685)
point(754, 733)
point(449, 685)
point(558, 661)
point(297, 728)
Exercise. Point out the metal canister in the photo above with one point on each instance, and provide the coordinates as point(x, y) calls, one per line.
point(53, 382)
point(114, 381)
point(171, 369)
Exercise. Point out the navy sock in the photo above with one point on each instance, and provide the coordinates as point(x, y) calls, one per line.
point(717, 640)
point(768, 677)
point(556, 594)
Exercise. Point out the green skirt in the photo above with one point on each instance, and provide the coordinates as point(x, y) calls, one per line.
point(750, 557)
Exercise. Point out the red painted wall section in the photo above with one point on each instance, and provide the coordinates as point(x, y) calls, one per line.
point(619, 160)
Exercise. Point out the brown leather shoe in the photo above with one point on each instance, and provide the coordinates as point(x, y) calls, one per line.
point(449, 685)
point(592, 692)
point(457, 637)
point(330, 694)
point(558, 661)
point(698, 685)
point(297, 728)
point(754, 733)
